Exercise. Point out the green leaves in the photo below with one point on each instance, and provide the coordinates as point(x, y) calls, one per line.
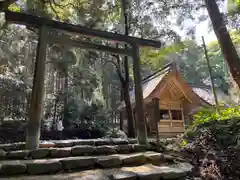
point(14, 7)
point(155, 58)
point(233, 6)
point(207, 115)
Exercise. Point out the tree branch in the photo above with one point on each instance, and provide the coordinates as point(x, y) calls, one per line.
point(62, 5)
point(118, 70)
point(53, 9)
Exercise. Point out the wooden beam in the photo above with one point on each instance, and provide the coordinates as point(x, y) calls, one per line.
point(86, 45)
point(140, 120)
point(30, 20)
point(36, 104)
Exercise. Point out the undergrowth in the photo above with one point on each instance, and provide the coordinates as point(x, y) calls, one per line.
point(212, 143)
point(205, 117)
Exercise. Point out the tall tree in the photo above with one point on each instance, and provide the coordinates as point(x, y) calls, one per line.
point(125, 86)
point(224, 39)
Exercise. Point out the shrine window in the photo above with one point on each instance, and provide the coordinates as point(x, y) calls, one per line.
point(176, 115)
point(164, 114)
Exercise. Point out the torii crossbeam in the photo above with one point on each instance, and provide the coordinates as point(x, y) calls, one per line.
point(43, 24)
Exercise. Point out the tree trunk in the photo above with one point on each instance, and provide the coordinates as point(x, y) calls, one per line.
point(224, 39)
point(156, 114)
point(128, 106)
point(36, 107)
point(121, 117)
point(50, 80)
point(131, 131)
point(55, 111)
point(211, 76)
point(65, 119)
point(129, 111)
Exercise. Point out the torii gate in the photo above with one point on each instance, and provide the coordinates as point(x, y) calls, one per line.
point(44, 38)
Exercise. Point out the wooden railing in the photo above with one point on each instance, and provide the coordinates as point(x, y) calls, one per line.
point(171, 125)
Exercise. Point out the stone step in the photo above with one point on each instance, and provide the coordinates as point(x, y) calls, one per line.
point(69, 143)
point(143, 172)
point(50, 166)
point(80, 150)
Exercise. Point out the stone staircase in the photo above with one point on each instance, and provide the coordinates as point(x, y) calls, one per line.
point(117, 159)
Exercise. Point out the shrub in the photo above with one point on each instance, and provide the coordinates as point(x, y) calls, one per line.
point(220, 123)
point(211, 143)
point(183, 143)
point(205, 116)
point(87, 116)
point(116, 133)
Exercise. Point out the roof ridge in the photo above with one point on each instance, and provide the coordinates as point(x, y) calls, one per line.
point(199, 85)
point(157, 73)
point(164, 71)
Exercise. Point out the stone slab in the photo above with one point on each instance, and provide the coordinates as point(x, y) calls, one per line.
point(120, 141)
point(13, 146)
point(78, 162)
point(94, 177)
point(60, 152)
point(140, 148)
point(101, 142)
point(82, 150)
point(20, 154)
point(133, 159)
point(144, 172)
point(89, 142)
point(150, 172)
point(46, 144)
point(169, 158)
point(43, 166)
point(39, 153)
point(123, 175)
point(125, 148)
point(105, 150)
point(12, 168)
point(109, 162)
point(64, 143)
point(154, 158)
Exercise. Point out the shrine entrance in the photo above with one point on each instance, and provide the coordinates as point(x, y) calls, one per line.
point(54, 32)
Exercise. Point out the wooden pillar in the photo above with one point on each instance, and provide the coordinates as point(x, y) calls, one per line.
point(170, 116)
point(183, 118)
point(140, 121)
point(156, 111)
point(36, 105)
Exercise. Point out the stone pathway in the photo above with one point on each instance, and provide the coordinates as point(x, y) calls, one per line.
point(144, 172)
point(54, 165)
point(90, 160)
point(70, 143)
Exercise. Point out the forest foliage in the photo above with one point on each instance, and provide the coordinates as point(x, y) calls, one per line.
point(207, 115)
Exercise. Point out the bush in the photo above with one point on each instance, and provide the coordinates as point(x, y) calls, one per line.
point(215, 144)
point(212, 143)
point(86, 115)
point(12, 131)
point(116, 133)
point(205, 117)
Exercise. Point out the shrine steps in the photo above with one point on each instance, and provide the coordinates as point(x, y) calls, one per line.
point(112, 158)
